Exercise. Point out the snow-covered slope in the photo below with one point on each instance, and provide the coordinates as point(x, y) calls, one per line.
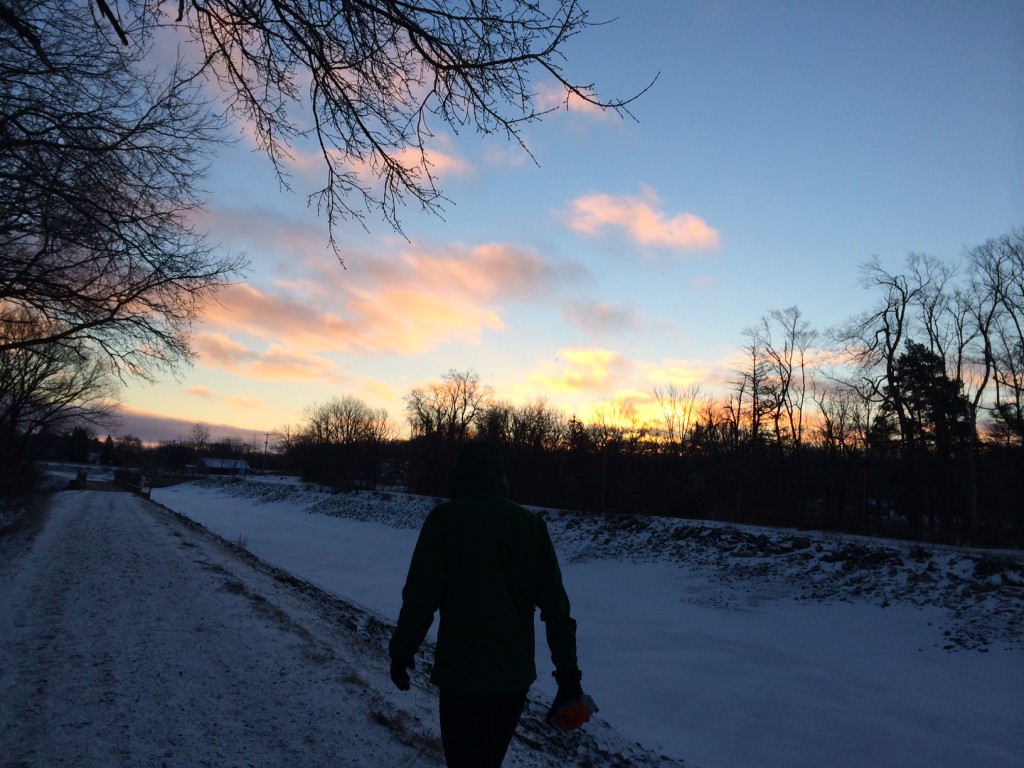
point(982, 589)
point(714, 644)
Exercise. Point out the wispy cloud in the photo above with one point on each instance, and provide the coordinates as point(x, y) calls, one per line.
point(553, 96)
point(602, 318)
point(265, 228)
point(441, 157)
point(250, 403)
point(405, 304)
point(641, 218)
point(506, 155)
point(217, 350)
point(408, 321)
point(492, 271)
point(239, 401)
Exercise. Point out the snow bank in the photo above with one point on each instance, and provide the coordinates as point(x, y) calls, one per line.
point(718, 645)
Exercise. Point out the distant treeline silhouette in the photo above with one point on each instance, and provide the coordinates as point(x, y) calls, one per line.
point(907, 420)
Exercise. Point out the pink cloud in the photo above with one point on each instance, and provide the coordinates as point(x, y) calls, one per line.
point(489, 271)
point(640, 218)
point(404, 304)
point(270, 315)
point(440, 155)
point(227, 352)
point(553, 96)
point(217, 350)
point(409, 321)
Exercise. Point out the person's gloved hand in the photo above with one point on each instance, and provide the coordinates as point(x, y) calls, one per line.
point(400, 674)
point(568, 688)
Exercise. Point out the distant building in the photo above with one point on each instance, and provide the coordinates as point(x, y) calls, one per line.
point(239, 467)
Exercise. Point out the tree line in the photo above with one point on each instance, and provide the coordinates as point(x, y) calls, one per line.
point(904, 420)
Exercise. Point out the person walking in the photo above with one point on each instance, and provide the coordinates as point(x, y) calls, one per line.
point(485, 563)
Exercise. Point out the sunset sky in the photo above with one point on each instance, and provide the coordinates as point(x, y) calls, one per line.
point(783, 145)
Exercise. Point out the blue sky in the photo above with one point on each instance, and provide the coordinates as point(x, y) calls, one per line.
point(783, 145)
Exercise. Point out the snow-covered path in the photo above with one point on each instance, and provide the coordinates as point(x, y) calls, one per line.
point(132, 636)
point(131, 639)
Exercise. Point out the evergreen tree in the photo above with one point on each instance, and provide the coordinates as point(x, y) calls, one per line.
point(938, 413)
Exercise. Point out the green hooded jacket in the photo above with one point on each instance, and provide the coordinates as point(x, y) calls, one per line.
point(485, 562)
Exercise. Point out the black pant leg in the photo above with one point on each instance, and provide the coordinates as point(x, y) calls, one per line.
point(476, 730)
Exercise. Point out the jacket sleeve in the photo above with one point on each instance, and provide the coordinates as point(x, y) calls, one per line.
point(421, 595)
point(553, 602)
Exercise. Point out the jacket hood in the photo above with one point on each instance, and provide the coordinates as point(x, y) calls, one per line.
point(479, 470)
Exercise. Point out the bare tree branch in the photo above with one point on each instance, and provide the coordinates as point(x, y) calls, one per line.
point(379, 72)
point(99, 168)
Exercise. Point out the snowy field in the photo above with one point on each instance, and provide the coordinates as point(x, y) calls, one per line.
point(717, 646)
